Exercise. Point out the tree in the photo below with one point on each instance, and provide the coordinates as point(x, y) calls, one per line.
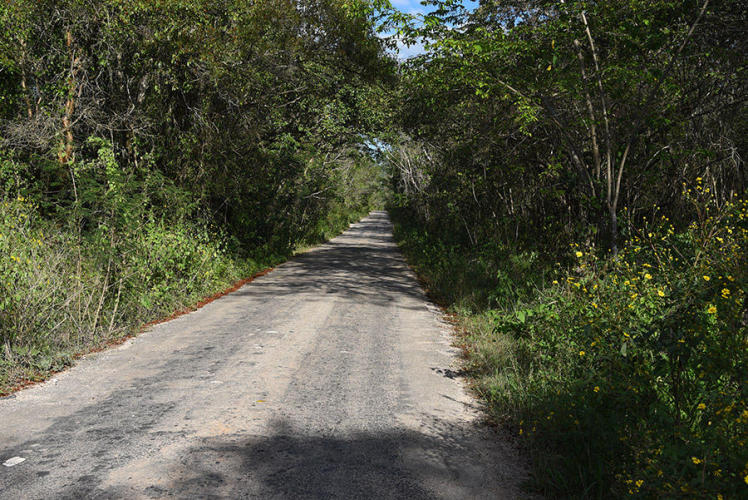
point(600, 96)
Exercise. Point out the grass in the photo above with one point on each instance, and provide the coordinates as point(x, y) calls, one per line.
point(64, 293)
point(622, 377)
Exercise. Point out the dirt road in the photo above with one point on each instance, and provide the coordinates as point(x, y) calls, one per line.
point(331, 377)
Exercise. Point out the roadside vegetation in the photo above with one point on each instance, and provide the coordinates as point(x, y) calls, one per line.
point(569, 179)
point(153, 153)
point(567, 176)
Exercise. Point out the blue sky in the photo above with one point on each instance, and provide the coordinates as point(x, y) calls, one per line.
point(415, 7)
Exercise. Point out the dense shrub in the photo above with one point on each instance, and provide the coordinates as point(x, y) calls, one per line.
point(170, 148)
point(541, 144)
point(61, 292)
point(622, 375)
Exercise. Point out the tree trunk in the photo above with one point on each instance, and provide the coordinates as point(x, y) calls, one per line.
point(613, 230)
point(67, 155)
point(24, 80)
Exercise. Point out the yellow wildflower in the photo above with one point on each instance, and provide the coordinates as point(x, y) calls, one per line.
point(701, 406)
point(582, 353)
point(648, 276)
point(706, 278)
point(596, 389)
point(660, 293)
point(579, 254)
point(695, 460)
point(712, 310)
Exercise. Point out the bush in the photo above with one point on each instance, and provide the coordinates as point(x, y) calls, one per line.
point(33, 287)
point(623, 375)
point(62, 291)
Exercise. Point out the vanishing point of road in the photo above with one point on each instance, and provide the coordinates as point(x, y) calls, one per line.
point(330, 377)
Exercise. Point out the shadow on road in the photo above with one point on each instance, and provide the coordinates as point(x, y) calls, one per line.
point(144, 435)
point(290, 463)
point(364, 263)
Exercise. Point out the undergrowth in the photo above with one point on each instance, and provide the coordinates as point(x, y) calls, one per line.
point(622, 376)
point(64, 291)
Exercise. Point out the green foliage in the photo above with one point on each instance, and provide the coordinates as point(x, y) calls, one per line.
point(526, 127)
point(248, 108)
point(171, 148)
point(548, 117)
point(621, 376)
point(63, 292)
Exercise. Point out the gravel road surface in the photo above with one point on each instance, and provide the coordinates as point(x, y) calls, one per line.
point(330, 377)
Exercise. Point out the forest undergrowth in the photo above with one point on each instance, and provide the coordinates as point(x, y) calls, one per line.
point(621, 376)
point(153, 153)
point(569, 177)
point(63, 294)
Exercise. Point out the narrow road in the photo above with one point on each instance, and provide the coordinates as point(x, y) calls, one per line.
point(331, 377)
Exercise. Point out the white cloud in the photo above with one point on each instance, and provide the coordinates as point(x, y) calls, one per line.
point(404, 52)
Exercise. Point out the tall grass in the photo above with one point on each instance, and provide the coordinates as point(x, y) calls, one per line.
point(622, 376)
point(64, 291)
